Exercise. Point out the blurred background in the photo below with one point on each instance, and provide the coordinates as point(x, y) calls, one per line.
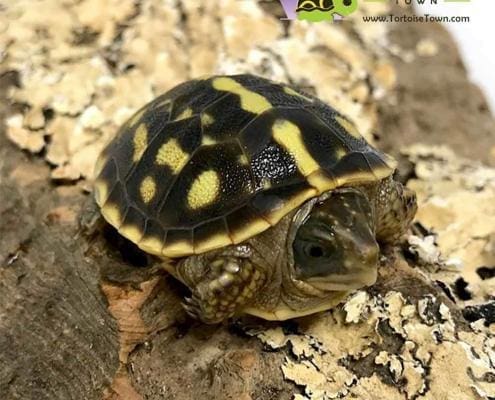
point(475, 38)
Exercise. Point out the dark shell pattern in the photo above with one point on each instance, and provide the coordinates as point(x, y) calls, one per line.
point(310, 5)
point(216, 161)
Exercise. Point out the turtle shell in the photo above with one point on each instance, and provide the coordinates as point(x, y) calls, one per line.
point(310, 5)
point(214, 162)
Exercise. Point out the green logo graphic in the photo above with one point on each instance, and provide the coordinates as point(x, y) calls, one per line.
point(324, 10)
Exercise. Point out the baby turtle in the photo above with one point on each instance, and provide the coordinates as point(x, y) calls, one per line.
point(260, 198)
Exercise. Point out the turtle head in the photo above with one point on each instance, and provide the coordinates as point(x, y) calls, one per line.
point(334, 247)
point(331, 250)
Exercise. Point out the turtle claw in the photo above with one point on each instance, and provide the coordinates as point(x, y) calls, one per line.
point(228, 284)
point(192, 307)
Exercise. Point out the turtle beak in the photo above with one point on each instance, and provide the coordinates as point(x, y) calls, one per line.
point(358, 266)
point(358, 278)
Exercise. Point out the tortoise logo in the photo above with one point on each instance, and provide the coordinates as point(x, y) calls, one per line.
point(318, 10)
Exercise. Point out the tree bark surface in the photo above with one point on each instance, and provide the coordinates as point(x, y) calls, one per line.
point(90, 317)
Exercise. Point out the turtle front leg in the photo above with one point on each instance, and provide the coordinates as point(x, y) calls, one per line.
point(395, 208)
point(220, 287)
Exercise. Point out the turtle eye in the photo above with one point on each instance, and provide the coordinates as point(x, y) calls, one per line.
point(316, 250)
point(313, 256)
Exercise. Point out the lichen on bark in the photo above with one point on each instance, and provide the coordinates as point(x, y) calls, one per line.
point(90, 317)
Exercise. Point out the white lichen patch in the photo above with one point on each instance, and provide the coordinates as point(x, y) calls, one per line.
point(92, 66)
point(400, 350)
point(26, 139)
point(425, 248)
point(92, 118)
point(356, 306)
point(274, 338)
point(457, 203)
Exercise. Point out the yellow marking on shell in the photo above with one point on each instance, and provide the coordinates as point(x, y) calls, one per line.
point(131, 232)
point(390, 161)
point(243, 160)
point(184, 114)
point(151, 245)
point(250, 101)
point(288, 135)
point(213, 242)
point(112, 215)
point(147, 189)
point(321, 181)
point(177, 249)
point(361, 177)
point(101, 192)
point(172, 155)
point(206, 119)
point(204, 190)
point(291, 204)
point(100, 164)
point(348, 126)
point(248, 231)
point(292, 92)
point(137, 116)
point(207, 140)
point(140, 142)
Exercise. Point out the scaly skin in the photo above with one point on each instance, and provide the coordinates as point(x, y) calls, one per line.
point(232, 284)
point(395, 207)
point(228, 280)
point(220, 286)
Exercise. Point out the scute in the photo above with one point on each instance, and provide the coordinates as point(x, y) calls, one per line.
point(216, 161)
point(210, 235)
point(192, 102)
point(211, 185)
point(227, 119)
point(185, 137)
point(133, 224)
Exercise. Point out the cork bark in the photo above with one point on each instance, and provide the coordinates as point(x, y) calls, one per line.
point(91, 317)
